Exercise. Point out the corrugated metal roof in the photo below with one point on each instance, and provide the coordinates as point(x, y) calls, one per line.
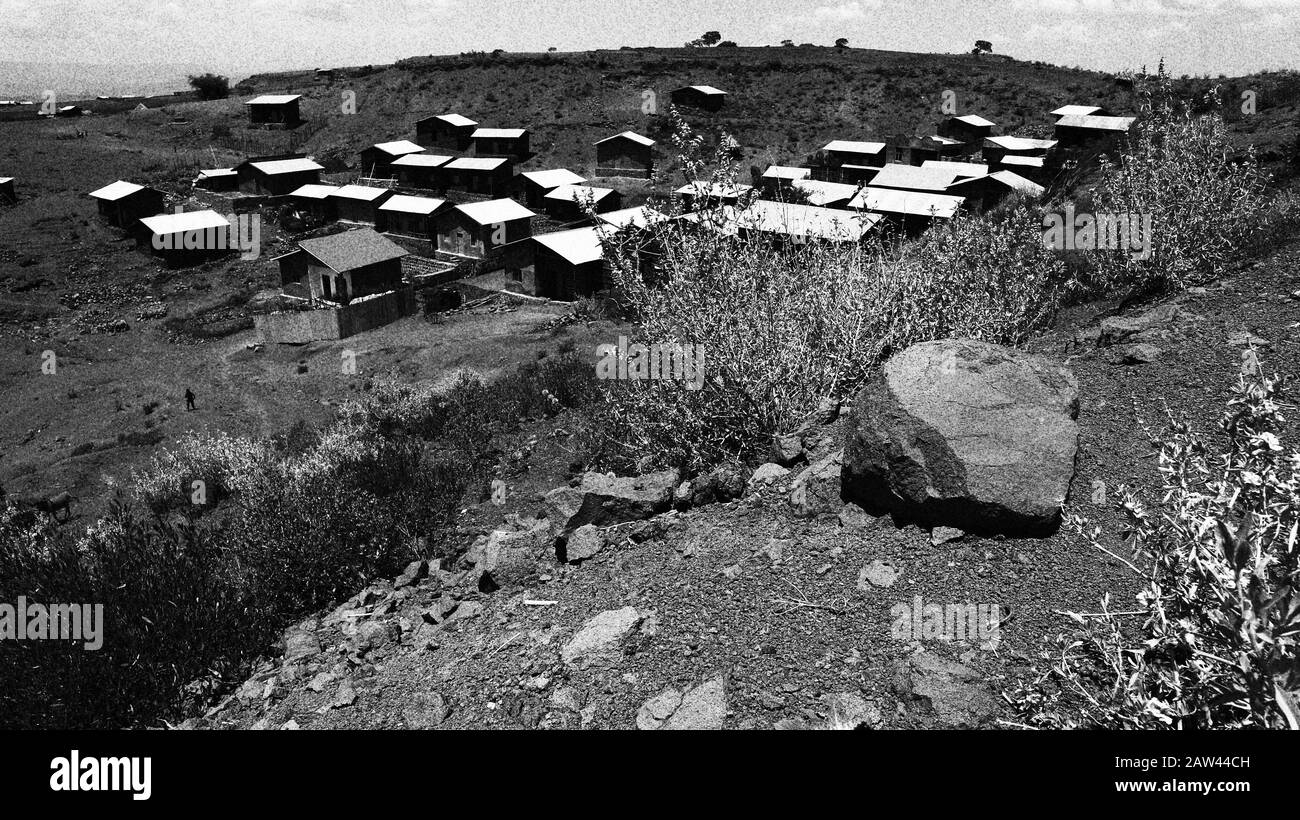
point(287, 166)
point(421, 161)
point(958, 169)
point(553, 177)
point(786, 172)
point(350, 250)
point(1023, 162)
point(630, 135)
point(362, 193)
point(579, 193)
point(913, 177)
point(208, 173)
point(455, 119)
point(1076, 110)
point(494, 211)
point(477, 163)
point(723, 190)
point(640, 216)
point(810, 221)
point(707, 89)
point(163, 224)
point(975, 120)
point(1013, 181)
point(852, 147)
point(1021, 143)
point(1096, 123)
point(399, 148)
point(944, 140)
point(116, 191)
point(910, 203)
point(823, 193)
point(577, 246)
point(422, 205)
point(315, 191)
point(498, 133)
point(273, 99)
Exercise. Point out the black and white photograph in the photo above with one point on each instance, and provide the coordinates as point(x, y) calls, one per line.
point(819, 378)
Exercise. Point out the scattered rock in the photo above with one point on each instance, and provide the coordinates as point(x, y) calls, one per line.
point(426, 710)
point(817, 489)
point(608, 500)
point(956, 694)
point(853, 517)
point(943, 535)
point(1153, 325)
point(583, 543)
point(300, 644)
point(766, 474)
point(373, 635)
point(415, 571)
point(786, 450)
point(877, 574)
point(346, 695)
point(848, 710)
point(600, 635)
point(720, 484)
point(1141, 353)
point(704, 707)
point(658, 709)
point(965, 434)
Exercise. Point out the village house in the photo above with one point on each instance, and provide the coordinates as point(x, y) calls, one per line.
point(850, 152)
point(568, 203)
point(625, 155)
point(922, 179)
point(533, 186)
point(984, 192)
point(511, 143)
point(7, 193)
point(702, 97)
point(969, 128)
point(776, 180)
point(358, 203)
point(1080, 111)
point(959, 170)
point(908, 211)
point(795, 223)
point(344, 266)
point(377, 160)
point(314, 201)
point(493, 230)
point(277, 175)
point(1033, 168)
point(450, 131)
point(935, 147)
point(421, 171)
point(187, 238)
point(642, 216)
point(704, 194)
point(1074, 131)
point(825, 194)
point(492, 176)
point(995, 148)
point(412, 216)
point(274, 110)
point(217, 179)
point(124, 203)
point(568, 264)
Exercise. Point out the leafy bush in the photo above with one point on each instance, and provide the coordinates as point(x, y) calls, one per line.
point(1218, 642)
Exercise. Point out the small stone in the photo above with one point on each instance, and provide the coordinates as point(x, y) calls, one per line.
point(766, 474)
point(877, 574)
point(942, 535)
point(658, 709)
point(583, 543)
point(601, 634)
point(426, 710)
point(346, 695)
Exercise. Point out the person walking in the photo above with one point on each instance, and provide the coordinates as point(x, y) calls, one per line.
point(189, 399)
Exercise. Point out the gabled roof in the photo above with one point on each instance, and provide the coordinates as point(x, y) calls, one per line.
point(421, 161)
point(852, 147)
point(722, 190)
point(1006, 178)
point(553, 178)
point(1021, 143)
point(910, 203)
point(944, 140)
point(913, 177)
point(1022, 162)
point(1096, 123)
point(579, 193)
point(807, 221)
point(314, 191)
point(210, 173)
point(786, 172)
point(640, 216)
point(398, 148)
point(6, 179)
point(958, 169)
point(494, 211)
point(704, 89)
point(363, 193)
point(629, 135)
point(453, 119)
point(273, 99)
point(498, 133)
point(350, 250)
point(117, 190)
point(164, 224)
point(1076, 110)
point(823, 193)
point(273, 167)
point(421, 205)
point(975, 120)
point(577, 246)
point(477, 163)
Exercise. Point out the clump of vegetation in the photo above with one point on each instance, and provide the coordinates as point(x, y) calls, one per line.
point(210, 86)
point(1218, 645)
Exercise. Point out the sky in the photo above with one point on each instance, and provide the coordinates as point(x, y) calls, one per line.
point(237, 37)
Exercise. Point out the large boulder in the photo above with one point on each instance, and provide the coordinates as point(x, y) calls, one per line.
point(965, 434)
point(609, 500)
